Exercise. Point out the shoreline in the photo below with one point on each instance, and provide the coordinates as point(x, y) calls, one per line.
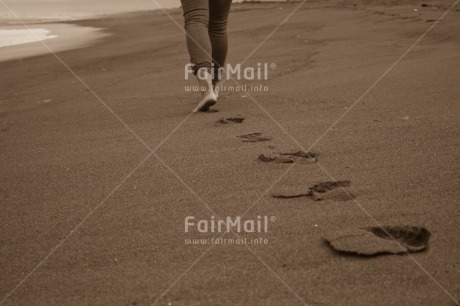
point(69, 36)
point(71, 170)
point(72, 35)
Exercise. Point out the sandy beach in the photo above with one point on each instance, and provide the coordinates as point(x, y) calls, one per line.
point(102, 162)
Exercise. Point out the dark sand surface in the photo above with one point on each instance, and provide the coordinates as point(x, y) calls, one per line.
point(62, 153)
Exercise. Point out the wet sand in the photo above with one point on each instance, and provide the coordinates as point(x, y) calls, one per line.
point(65, 158)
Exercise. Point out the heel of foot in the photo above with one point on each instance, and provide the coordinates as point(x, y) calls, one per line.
point(206, 103)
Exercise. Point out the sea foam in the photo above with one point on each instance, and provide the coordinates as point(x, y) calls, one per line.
point(12, 37)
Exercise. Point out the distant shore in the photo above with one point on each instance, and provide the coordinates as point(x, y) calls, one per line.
point(64, 27)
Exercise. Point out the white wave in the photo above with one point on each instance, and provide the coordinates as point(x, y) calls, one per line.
point(12, 37)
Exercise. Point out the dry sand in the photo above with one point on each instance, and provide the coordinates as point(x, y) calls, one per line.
point(63, 153)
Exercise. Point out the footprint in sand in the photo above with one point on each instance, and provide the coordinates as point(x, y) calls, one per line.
point(300, 157)
point(373, 241)
point(255, 137)
point(334, 191)
point(236, 119)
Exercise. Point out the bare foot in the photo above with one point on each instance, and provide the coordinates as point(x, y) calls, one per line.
point(208, 100)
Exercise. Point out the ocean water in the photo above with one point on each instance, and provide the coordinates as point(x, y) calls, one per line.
point(72, 9)
point(40, 11)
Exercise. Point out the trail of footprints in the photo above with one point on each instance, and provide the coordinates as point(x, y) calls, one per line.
point(370, 241)
point(329, 190)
